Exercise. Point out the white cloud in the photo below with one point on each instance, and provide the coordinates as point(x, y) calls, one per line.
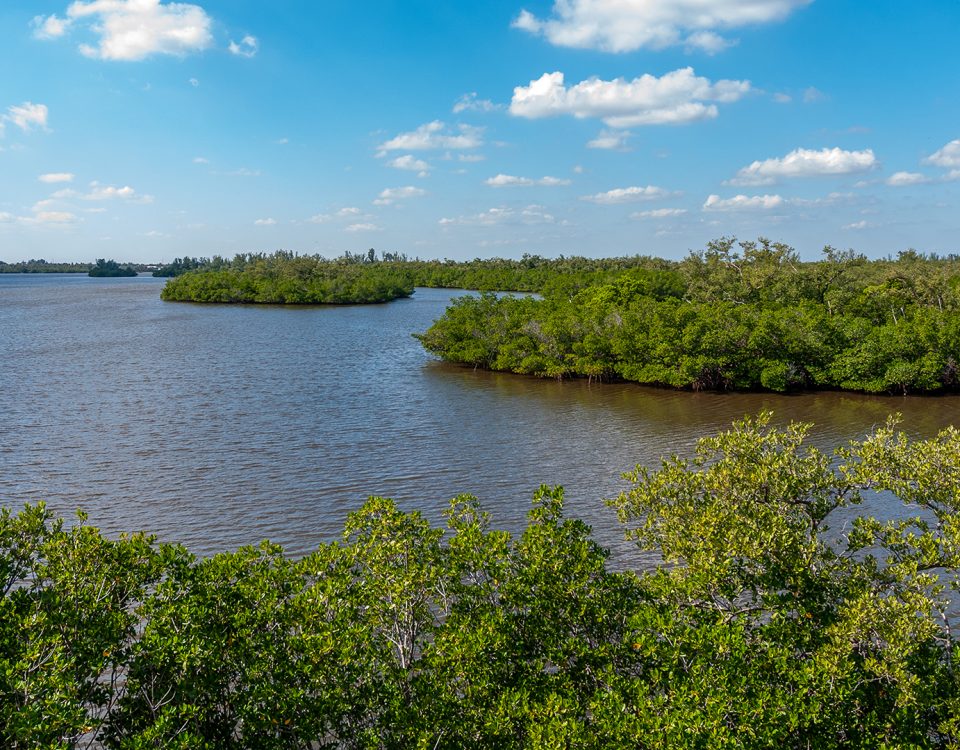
point(268, 222)
point(614, 140)
point(200, 160)
point(51, 27)
point(411, 164)
point(194, 82)
point(627, 25)
point(804, 162)
point(54, 217)
point(26, 116)
point(675, 98)
point(434, 135)
point(54, 177)
point(628, 195)
point(812, 95)
point(506, 180)
point(658, 213)
point(244, 172)
point(743, 203)
point(470, 158)
point(247, 47)
point(343, 213)
point(709, 42)
point(902, 179)
point(782, 98)
point(100, 192)
point(135, 29)
point(948, 156)
point(364, 227)
point(7, 218)
point(392, 195)
point(863, 224)
point(470, 103)
point(532, 214)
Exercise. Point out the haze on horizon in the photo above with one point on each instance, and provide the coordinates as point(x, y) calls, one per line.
point(144, 130)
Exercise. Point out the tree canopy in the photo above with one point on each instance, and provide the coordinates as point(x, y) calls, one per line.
point(761, 627)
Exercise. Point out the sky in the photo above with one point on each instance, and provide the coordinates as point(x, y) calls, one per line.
point(144, 130)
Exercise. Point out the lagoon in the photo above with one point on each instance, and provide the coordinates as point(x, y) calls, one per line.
point(218, 426)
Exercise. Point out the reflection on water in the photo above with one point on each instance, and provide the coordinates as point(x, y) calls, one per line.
point(221, 425)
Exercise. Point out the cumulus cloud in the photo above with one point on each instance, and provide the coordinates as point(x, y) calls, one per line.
point(628, 195)
point(532, 214)
point(628, 25)
point(26, 116)
point(903, 179)
point(614, 140)
point(53, 217)
point(675, 98)
point(54, 177)
point(100, 192)
point(743, 203)
point(471, 103)
point(268, 222)
point(506, 180)
point(50, 27)
point(132, 29)
point(863, 224)
point(948, 156)
point(410, 163)
point(349, 212)
point(363, 227)
point(658, 213)
point(435, 135)
point(247, 47)
point(804, 162)
point(392, 195)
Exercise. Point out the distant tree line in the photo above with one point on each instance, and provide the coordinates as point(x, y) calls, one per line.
point(760, 629)
point(43, 266)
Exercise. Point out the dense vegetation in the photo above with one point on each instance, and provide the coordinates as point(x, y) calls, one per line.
point(750, 316)
point(285, 278)
point(43, 266)
point(180, 266)
point(761, 629)
point(110, 268)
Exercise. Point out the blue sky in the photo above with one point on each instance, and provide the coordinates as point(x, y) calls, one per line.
point(145, 130)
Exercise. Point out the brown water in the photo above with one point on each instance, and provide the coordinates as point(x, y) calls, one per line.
point(219, 426)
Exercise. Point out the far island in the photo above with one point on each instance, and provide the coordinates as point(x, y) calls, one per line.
point(287, 279)
point(110, 268)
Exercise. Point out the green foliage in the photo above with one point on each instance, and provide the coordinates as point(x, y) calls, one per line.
point(43, 266)
point(285, 278)
point(732, 317)
point(759, 628)
point(110, 268)
point(181, 265)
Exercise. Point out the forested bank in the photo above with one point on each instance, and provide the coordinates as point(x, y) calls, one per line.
point(43, 266)
point(747, 316)
point(762, 629)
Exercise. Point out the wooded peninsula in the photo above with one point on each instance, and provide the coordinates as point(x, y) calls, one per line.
point(745, 316)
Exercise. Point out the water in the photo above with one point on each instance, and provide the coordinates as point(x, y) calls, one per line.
point(218, 426)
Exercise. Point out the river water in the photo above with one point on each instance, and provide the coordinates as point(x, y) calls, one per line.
point(218, 425)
